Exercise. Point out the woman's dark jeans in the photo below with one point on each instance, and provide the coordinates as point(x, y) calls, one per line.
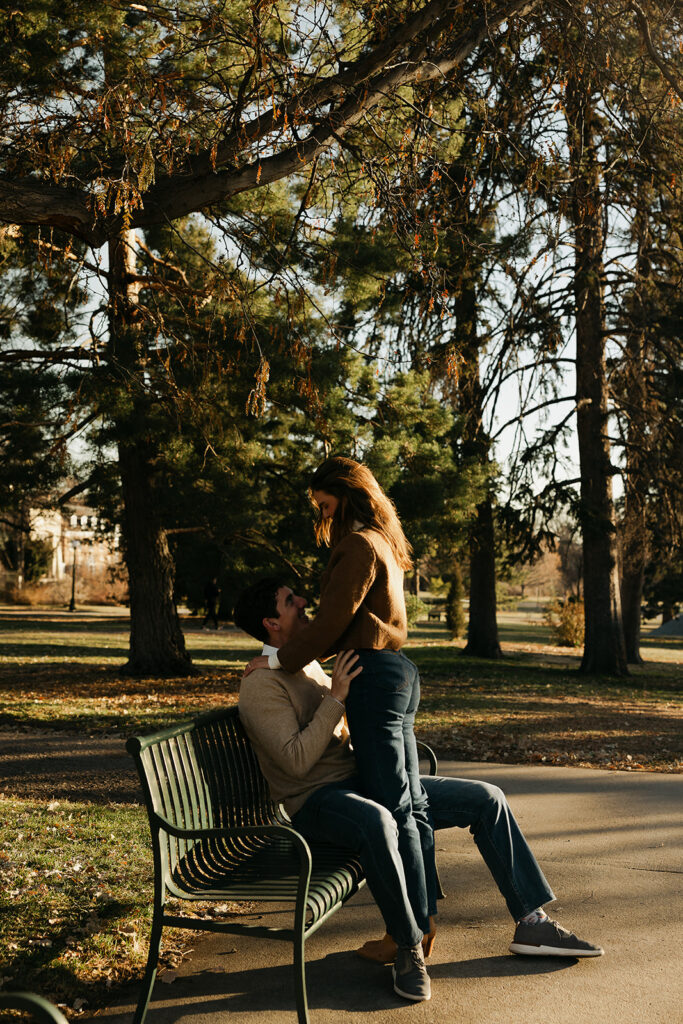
point(380, 709)
point(339, 813)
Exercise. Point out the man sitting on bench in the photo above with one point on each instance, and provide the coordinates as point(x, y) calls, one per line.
point(296, 725)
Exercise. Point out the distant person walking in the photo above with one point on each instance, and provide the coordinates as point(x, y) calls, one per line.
point(212, 593)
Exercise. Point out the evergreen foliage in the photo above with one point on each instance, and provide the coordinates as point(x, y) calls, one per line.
point(348, 232)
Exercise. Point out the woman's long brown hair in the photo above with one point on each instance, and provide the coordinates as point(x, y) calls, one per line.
point(361, 499)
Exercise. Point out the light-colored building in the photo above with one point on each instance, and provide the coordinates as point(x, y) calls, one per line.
point(73, 532)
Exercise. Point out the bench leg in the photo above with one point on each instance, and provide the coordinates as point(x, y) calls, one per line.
point(300, 967)
point(151, 970)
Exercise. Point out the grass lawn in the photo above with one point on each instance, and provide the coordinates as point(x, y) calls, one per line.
point(76, 877)
point(60, 672)
point(77, 888)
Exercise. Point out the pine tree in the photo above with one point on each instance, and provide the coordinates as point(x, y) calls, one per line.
point(39, 407)
point(120, 119)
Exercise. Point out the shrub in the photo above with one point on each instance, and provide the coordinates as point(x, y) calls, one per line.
point(92, 587)
point(415, 609)
point(565, 618)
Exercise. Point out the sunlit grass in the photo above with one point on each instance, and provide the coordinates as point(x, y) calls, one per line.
point(76, 888)
point(63, 672)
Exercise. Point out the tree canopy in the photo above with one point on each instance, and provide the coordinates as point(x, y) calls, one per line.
point(344, 226)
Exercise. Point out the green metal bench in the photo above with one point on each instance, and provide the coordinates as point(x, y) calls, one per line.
point(39, 1008)
point(217, 835)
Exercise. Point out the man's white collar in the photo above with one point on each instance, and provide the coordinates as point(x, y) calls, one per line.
point(268, 650)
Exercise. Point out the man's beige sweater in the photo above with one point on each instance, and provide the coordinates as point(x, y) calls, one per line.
point(298, 732)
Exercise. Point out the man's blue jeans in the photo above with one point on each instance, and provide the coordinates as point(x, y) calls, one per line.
point(340, 814)
point(380, 710)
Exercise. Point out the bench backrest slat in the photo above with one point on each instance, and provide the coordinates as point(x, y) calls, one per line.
point(203, 775)
point(238, 788)
point(201, 811)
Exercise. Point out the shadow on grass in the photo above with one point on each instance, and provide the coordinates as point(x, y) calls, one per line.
point(673, 643)
point(62, 650)
point(539, 670)
point(37, 648)
point(62, 622)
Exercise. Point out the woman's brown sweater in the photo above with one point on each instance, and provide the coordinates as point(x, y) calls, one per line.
point(361, 603)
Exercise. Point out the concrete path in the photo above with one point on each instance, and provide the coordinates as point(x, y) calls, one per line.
point(610, 844)
point(46, 765)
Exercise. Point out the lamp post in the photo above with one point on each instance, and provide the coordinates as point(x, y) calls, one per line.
point(75, 544)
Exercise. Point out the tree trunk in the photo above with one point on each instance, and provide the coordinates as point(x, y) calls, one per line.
point(482, 627)
point(632, 598)
point(604, 650)
point(157, 644)
point(22, 534)
point(634, 543)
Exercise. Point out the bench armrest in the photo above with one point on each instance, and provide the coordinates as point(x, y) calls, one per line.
point(232, 831)
point(424, 750)
point(240, 831)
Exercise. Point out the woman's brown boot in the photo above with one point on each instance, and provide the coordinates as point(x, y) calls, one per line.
point(383, 951)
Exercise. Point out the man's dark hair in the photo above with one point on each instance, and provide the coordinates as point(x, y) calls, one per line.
point(256, 603)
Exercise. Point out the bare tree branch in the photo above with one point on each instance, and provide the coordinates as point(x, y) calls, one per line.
point(359, 88)
point(56, 356)
point(644, 27)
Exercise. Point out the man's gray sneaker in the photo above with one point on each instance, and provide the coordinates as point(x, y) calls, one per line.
point(410, 974)
point(548, 938)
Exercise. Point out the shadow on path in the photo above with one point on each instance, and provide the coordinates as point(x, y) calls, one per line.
point(338, 982)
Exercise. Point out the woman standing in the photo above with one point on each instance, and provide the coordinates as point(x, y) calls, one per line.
point(362, 608)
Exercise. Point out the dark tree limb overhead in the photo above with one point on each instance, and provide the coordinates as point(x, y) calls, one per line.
point(416, 52)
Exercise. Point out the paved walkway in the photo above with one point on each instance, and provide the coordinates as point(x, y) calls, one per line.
point(610, 844)
point(47, 765)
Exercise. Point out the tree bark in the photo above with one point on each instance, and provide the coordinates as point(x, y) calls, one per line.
point(634, 553)
point(604, 650)
point(482, 627)
point(157, 644)
point(634, 543)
